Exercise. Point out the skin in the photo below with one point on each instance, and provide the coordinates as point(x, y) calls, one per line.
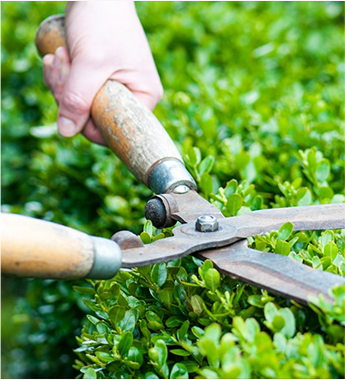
point(105, 41)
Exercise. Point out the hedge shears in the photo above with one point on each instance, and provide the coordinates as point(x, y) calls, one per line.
point(41, 249)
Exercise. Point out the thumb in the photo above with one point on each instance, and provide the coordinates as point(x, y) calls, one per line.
point(75, 104)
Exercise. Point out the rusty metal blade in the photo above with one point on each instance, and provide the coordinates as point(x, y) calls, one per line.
point(187, 240)
point(318, 217)
point(273, 272)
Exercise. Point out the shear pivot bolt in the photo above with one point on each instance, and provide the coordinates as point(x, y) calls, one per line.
point(206, 223)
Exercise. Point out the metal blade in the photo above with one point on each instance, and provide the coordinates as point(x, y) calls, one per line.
point(318, 217)
point(273, 272)
point(187, 239)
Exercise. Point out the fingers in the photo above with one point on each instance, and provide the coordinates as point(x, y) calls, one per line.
point(56, 69)
point(83, 83)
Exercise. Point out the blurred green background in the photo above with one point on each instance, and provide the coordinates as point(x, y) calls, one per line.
point(250, 83)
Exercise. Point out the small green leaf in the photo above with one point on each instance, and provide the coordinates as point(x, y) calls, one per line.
point(194, 156)
point(125, 343)
point(331, 250)
point(128, 321)
point(167, 296)
point(197, 304)
point(326, 237)
point(212, 279)
point(277, 323)
point(174, 321)
point(213, 332)
point(282, 247)
point(154, 322)
point(206, 183)
point(322, 170)
point(90, 374)
point(179, 371)
point(116, 313)
point(180, 352)
point(289, 328)
point(206, 165)
point(162, 351)
point(183, 330)
point(270, 311)
point(84, 290)
point(159, 274)
point(151, 375)
point(145, 238)
point(93, 319)
point(104, 356)
point(135, 355)
point(197, 331)
point(234, 203)
point(285, 231)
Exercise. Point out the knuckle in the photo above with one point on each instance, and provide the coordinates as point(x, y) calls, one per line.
point(75, 103)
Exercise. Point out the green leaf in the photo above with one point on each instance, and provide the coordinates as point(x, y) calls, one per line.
point(151, 375)
point(104, 356)
point(159, 274)
point(135, 355)
point(197, 304)
point(167, 296)
point(285, 231)
point(289, 328)
point(154, 322)
point(162, 351)
point(197, 331)
point(145, 237)
point(194, 156)
point(282, 247)
point(234, 203)
point(206, 165)
point(270, 311)
point(278, 322)
point(93, 319)
point(212, 279)
point(125, 343)
point(84, 290)
point(322, 170)
point(90, 374)
point(180, 352)
point(326, 237)
point(183, 330)
point(128, 321)
point(116, 313)
point(179, 371)
point(213, 332)
point(174, 321)
point(206, 183)
point(331, 250)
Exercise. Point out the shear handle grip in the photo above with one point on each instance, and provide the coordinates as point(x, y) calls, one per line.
point(41, 249)
point(130, 129)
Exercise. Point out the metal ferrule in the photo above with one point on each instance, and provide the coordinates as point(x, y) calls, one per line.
point(108, 258)
point(168, 175)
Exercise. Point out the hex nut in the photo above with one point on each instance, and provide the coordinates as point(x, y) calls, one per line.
point(206, 223)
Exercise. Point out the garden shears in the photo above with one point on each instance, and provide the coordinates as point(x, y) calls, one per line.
point(48, 250)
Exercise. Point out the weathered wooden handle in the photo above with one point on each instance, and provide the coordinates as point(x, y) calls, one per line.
point(130, 129)
point(40, 249)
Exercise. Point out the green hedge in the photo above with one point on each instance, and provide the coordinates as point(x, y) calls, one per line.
point(254, 95)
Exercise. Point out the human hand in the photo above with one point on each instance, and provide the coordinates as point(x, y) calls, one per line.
point(105, 41)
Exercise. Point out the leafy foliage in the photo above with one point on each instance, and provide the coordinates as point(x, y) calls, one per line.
point(254, 101)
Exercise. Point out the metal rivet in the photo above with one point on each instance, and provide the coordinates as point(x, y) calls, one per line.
point(206, 223)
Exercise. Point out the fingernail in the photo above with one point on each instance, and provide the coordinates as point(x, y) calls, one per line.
point(66, 127)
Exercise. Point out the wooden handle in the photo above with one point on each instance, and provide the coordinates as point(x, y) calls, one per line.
point(130, 129)
point(40, 249)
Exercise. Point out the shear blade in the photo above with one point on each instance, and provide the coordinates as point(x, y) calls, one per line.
point(276, 273)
